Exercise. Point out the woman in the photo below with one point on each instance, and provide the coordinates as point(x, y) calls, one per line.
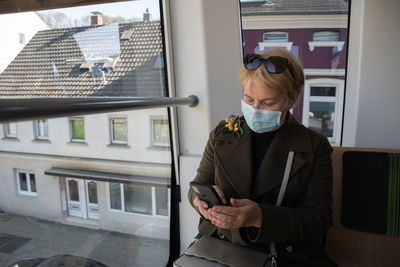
point(245, 160)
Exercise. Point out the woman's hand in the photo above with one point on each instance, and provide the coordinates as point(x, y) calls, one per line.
point(203, 206)
point(242, 213)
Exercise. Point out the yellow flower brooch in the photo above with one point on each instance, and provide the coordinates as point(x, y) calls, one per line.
point(233, 124)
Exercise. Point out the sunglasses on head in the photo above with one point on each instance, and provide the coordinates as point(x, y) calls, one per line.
point(273, 64)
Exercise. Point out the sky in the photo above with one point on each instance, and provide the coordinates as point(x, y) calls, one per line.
point(126, 9)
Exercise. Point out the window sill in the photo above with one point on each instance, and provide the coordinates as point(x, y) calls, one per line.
point(27, 194)
point(339, 44)
point(77, 143)
point(163, 148)
point(9, 138)
point(115, 145)
point(43, 141)
point(287, 45)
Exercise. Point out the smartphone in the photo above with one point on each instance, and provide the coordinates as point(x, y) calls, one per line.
point(207, 193)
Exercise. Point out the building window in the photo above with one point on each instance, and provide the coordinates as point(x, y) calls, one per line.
point(115, 196)
point(275, 37)
point(159, 132)
point(275, 40)
point(26, 183)
point(161, 201)
point(118, 130)
point(41, 129)
point(77, 129)
point(10, 130)
point(322, 109)
point(139, 199)
point(21, 38)
point(324, 36)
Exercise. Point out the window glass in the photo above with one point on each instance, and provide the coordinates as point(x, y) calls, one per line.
point(32, 182)
point(319, 42)
point(322, 117)
point(162, 201)
point(138, 199)
point(326, 36)
point(160, 132)
point(92, 190)
point(275, 36)
point(11, 129)
point(42, 129)
point(118, 129)
point(88, 52)
point(77, 129)
point(115, 196)
point(73, 190)
point(21, 38)
point(323, 91)
point(23, 182)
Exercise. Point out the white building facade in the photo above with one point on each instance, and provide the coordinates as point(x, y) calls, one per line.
point(92, 182)
point(16, 30)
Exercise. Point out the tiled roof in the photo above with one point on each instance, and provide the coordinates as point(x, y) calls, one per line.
point(285, 7)
point(53, 63)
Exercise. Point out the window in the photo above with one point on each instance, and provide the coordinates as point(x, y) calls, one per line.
point(21, 38)
point(319, 43)
point(326, 36)
point(10, 130)
point(275, 37)
point(118, 130)
point(139, 199)
point(41, 129)
point(326, 39)
point(275, 40)
point(159, 132)
point(26, 183)
point(322, 110)
point(76, 58)
point(77, 129)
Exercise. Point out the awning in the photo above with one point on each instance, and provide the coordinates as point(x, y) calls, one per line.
point(109, 177)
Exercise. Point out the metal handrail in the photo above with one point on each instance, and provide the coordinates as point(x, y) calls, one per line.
point(23, 109)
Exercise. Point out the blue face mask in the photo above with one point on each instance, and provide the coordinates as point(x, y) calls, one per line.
point(261, 120)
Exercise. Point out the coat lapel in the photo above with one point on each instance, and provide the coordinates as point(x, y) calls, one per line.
point(291, 137)
point(235, 159)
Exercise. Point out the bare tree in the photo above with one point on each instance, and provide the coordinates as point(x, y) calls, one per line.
point(61, 20)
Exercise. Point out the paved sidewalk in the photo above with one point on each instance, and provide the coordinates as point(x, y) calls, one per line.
point(25, 237)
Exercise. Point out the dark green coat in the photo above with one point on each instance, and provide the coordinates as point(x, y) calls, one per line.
point(306, 212)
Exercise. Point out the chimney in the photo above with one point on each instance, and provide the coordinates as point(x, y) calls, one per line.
point(147, 16)
point(96, 18)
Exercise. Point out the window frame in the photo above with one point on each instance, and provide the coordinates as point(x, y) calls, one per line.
point(328, 43)
point(337, 99)
point(319, 32)
point(72, 140)
point(111, 132)
point(21, 38)
point(153, 143)
point(6, 130)
point(54, 109)
point(276, 41)
point(28, 174)
point(36, 128)
point(153, 204)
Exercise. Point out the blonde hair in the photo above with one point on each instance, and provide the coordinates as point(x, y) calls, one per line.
point(285, 82)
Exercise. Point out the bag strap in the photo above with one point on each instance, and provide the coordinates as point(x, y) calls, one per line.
point(285, 178)
point(272, 248)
